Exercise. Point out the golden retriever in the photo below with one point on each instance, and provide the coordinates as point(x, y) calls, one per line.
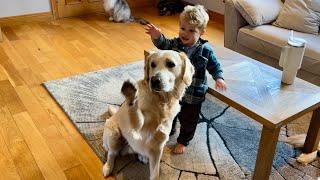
point(144, 120)
point(297, 141)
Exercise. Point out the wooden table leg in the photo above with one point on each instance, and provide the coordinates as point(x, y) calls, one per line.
point(267, 147)
point(313, 136)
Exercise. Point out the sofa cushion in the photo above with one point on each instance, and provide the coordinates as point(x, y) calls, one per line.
point(299, 15)
point(269, 40)
point(255, 11)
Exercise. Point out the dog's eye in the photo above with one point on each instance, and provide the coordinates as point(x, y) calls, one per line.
point(153, 65)
point(170, 64)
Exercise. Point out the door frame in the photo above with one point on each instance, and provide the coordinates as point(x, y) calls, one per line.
point(54, 9)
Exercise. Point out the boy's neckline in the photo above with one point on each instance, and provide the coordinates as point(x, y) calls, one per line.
point(194, 45)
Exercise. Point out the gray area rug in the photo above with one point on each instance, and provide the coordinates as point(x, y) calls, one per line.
point(224, 147)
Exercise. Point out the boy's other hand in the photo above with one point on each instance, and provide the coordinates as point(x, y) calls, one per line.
point(221, 85)
point(153, 31)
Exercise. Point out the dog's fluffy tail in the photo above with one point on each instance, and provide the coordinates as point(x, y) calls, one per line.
point(296, 141)
point(139, 20)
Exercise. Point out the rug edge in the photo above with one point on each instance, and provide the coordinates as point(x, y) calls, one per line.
point(95, 71)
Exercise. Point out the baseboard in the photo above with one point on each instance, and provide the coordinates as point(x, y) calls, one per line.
point(219, 18)
point(141, 3)
point(24, 19)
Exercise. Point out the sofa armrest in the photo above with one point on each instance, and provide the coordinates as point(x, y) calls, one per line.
point(233, 21)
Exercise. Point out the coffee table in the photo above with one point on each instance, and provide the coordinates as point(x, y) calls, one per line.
point(255, 89)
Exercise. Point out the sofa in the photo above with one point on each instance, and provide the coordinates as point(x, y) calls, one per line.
point(264, 43)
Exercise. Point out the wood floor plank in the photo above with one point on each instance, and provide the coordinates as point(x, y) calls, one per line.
point(56, 70)
point(22, 49)
point(88, 53)
point(40, 74)
point(72, 35)
point(70, 61)
point(75, 141)
point(3, 55)
point(77, 55)
point(8, 32)
point(2, 102)
point(10, 97)
point(76, 173)
point(64, 154)
point(108, 61)
point(1, 36)
point(8, 169)
point(30, 78)
point(37, 29)
point(49, 128)
point(38, 52)
point(22, 157)
point(40, 41)
point(12, 73)
point(13, 55)
point(21, 31)
point(6, 63)
point(38, 147)
point(3, 74)
point(86, 156)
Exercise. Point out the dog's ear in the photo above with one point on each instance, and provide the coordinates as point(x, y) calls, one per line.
point(187, 69)
point(146, 65)
point(147, 54)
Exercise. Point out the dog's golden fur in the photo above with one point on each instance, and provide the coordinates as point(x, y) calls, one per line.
point(144, 120)
point(297, 141)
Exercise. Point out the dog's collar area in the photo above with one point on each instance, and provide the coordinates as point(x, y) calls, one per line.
point(162, 95)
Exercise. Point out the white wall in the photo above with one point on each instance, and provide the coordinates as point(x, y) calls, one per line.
point(213, 5)
point(21, 7)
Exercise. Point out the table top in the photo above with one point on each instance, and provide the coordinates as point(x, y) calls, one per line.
point(256, 90)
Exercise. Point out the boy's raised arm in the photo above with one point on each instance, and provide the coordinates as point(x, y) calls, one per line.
point(159, 40)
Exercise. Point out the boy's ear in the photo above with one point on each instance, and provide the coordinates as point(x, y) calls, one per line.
point(202, 32)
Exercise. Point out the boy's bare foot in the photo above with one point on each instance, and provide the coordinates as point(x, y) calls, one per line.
point(178, 149)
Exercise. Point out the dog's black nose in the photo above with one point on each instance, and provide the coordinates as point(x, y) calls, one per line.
point(155, 82)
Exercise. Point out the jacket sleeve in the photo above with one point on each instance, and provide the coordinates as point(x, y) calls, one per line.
point(164, 43)
point(213, 66)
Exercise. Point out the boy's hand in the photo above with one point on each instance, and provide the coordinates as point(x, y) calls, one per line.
point(221, 85)
point(153, 31)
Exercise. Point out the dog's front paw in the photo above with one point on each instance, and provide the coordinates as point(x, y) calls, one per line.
point(143, 159)
point(110, 18)
point(129, 90)
point(106, 170)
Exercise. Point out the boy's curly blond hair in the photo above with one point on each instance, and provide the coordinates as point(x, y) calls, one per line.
point(195, 15)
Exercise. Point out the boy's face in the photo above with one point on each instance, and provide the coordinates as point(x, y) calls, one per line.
point(189, 34)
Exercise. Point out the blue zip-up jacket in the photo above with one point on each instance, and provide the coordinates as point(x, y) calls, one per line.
point(202, 58)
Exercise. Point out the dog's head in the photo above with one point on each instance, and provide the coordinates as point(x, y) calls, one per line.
point(164, 69)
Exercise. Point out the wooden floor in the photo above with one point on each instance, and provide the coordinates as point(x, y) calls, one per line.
point(37, 140)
